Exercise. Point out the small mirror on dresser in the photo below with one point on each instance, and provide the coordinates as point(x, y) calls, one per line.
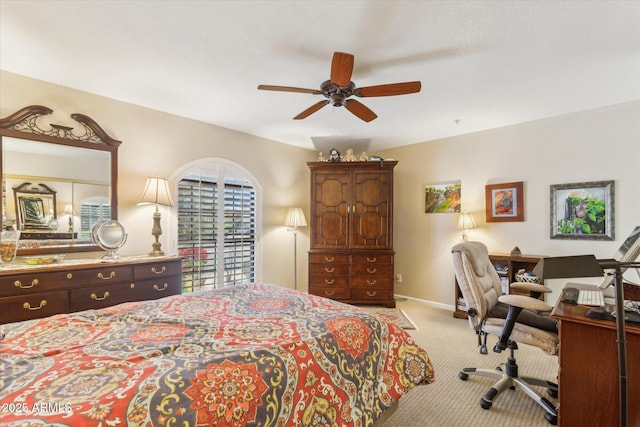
point(58, 181)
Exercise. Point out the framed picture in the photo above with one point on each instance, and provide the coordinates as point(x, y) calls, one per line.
point(442, 198)
point(583, 211)
point(504, 202)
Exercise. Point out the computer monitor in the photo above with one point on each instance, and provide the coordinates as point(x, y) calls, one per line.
point(627, 252)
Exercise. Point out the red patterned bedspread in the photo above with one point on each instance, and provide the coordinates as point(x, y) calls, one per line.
point(256, 355)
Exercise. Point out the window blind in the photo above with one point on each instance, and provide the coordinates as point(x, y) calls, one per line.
point(216, 231)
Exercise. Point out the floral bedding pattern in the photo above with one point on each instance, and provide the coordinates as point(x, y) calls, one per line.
point(246, 355)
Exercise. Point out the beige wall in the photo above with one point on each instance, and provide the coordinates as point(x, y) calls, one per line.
point(602, 144)
point(159, 144)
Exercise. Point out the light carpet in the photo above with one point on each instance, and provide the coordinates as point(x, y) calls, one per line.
point(396, 315)
point(449, 401)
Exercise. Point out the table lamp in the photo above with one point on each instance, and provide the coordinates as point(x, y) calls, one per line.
point(157, 192)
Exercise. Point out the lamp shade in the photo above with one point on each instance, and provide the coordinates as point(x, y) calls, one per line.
point(466, 221)
point(156, 192)
point(567, 267)
point(295, 218)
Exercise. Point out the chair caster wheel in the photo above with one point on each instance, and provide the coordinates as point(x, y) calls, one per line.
point(552, 419)
point(463, 376)
point(485, 404)
point(552, 392)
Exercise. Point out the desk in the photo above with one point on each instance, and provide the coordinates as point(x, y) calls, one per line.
point(588, 377)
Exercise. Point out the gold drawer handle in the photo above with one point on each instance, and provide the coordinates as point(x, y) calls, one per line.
point(372, 259)
point(371, 293)
point(371, 282)
point(371, 270)
point(330, 293)
point(329, 281)
point(96, 298)
point(28, 306)
point(327, 259)
point(329, 270)
point(153, 270)
point(160, 290)
point(19, 284)
point(111, 276)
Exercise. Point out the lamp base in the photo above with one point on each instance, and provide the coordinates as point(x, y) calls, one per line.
point(156, 232)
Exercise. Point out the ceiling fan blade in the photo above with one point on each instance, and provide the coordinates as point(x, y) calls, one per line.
point(341, 68)
point(289, 89)
point(309, 111)
point(359, 110)
point(388, 90)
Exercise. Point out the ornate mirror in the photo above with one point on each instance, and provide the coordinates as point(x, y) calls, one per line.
point(57, 182)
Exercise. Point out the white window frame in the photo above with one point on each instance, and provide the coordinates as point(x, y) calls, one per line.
point(219, 168)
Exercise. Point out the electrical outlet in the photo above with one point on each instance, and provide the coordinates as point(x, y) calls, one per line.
point(399, 278)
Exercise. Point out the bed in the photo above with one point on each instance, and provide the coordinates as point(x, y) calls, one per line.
point(245, 355)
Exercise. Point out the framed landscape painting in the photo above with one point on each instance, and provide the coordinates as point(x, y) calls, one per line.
point(442, 198)
point(583, 211)
point(504, 202)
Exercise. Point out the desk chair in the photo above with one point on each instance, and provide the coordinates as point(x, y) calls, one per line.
point(512, 318)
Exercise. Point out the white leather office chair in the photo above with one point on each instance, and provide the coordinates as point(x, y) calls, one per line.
point(512, 318)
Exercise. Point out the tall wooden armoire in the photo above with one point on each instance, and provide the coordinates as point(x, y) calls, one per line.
point(351, 220)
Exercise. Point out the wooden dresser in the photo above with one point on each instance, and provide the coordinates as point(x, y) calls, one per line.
point(351, 222)
point(30, 292)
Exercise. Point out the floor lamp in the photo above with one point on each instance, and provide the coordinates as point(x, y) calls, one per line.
point(295, 219)
point(156, 192)
point(589, 266)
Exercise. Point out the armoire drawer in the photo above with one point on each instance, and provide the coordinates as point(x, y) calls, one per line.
point(372, 281)
point(371, 294)
point(33, 306)
point(330, 292)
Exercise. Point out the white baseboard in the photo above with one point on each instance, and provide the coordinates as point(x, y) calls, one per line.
point(427, 302)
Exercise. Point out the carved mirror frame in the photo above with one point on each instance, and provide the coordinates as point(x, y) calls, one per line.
point(23, 124)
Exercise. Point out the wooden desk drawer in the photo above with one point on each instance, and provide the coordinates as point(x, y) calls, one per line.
point(157, 270)
point(33, 306)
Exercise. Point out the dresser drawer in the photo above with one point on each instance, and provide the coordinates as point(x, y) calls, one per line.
point(330, 292)
point(328, 258)
point(362, 294)
point(33, 306)
point(159, 288)
point(33, 283)
point(102, 275)
point(103, 296)
point(157, 270)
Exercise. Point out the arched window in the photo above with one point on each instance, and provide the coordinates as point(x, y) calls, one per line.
point(217, 218)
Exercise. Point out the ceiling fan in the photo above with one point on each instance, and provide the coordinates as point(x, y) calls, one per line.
point(339, 88)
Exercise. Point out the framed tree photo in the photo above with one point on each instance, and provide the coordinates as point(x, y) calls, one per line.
point(504, 202)
point(583, 211)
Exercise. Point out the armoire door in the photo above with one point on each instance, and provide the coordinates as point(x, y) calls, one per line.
point(330, 203)
point(371, 224)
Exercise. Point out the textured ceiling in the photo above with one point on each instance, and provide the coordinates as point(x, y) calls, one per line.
point(482, 64)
